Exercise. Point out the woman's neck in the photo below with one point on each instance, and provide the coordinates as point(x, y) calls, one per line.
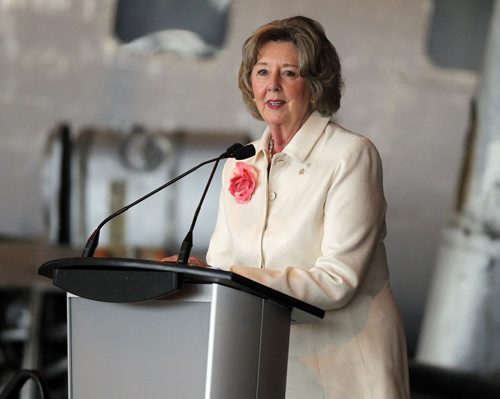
point(279, 142)
point(281, 136)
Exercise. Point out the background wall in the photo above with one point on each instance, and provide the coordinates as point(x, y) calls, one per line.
point(59, 61)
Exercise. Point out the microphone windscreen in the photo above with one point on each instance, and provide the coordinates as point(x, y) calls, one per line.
point(244, 152)
point(230, 151)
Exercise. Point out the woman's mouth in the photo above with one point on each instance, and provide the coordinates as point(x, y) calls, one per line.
point(274, 104)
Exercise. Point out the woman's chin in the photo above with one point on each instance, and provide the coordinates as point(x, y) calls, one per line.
point(275, 120)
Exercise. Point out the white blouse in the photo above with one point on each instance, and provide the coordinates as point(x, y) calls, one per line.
point(314, 229)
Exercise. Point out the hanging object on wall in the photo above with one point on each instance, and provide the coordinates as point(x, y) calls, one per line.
point(195, 28)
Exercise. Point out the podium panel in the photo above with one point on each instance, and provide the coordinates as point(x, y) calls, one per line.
point(137, 350)
point(204, 342)
point(248, 347)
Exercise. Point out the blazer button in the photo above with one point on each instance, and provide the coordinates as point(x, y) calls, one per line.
point(272, 196)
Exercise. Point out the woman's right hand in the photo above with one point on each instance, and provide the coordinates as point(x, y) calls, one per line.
point(193, 261)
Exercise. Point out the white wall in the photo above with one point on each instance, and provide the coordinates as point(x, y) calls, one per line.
point(59, 62)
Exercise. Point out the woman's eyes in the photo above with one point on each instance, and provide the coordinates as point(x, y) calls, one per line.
point(286, 73)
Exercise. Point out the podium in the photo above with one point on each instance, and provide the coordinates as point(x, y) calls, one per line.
point(144, 329)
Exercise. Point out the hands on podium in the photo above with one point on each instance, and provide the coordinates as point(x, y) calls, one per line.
point(193, 261)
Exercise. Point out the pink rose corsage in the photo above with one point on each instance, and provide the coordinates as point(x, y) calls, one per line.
point(243, 182)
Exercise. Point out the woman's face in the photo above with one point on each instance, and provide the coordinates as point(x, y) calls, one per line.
point(282, 97)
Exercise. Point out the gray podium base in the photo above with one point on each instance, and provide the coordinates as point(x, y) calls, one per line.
point(208, 341)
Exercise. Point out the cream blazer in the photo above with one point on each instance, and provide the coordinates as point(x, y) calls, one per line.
point(314, 229)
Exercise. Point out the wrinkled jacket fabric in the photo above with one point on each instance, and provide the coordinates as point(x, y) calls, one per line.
point(314, 229)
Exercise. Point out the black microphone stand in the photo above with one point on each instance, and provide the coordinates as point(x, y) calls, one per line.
point(187, 244)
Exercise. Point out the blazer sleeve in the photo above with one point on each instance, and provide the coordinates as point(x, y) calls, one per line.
point(354, 225)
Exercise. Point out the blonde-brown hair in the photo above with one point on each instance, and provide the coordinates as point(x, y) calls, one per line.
point(318, 61)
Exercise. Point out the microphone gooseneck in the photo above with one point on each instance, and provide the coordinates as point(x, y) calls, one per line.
point(237, 151)
point(187, 243)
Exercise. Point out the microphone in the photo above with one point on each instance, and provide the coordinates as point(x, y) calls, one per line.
point(237, 151)
point(231, 150)
point(240, 152)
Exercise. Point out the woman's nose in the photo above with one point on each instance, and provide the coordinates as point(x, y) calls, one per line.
point(274, 83)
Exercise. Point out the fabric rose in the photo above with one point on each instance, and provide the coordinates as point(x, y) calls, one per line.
point(243, 182)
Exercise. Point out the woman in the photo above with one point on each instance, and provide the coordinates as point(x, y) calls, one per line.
point(306, 216)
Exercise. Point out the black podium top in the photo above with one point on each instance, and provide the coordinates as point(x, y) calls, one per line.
point(134, 280)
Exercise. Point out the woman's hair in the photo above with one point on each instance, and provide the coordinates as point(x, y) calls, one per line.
point(318, 61)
